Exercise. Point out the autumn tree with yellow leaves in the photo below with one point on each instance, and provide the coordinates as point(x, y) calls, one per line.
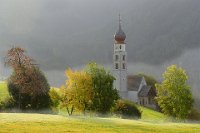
point(77, 92)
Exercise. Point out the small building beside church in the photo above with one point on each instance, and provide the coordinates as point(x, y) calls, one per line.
point(140, 92)
point(129, 87)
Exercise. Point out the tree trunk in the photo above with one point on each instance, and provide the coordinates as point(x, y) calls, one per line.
point(70, 112)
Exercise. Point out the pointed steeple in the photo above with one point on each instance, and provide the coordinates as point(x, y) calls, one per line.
point(120, 27)
point(120, 36)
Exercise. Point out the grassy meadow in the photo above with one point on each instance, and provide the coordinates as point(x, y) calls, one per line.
point(54, 123)
point(3, 90)
point(151, 122)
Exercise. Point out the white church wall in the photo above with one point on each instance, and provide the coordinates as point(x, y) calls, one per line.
point(121, 80)
point(123, 95)
point(120, 67)
point(133, 96)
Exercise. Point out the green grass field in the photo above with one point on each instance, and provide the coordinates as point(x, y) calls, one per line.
point(152, 116)
point(39, 123)
point(151, 122)
point(3, 90)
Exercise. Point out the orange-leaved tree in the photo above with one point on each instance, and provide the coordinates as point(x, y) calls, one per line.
point(27, 84)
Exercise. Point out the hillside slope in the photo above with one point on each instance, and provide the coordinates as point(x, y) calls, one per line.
point(151, 115)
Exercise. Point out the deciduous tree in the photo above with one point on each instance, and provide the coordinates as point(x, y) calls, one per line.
point(28, 85)
point(173, 94)
point(79, 92)
point(104, 92)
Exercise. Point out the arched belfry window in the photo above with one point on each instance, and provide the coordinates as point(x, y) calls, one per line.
point(123, 57)
point(116, 57)
point(124, 66)
point(120, 46)
point(116, 66)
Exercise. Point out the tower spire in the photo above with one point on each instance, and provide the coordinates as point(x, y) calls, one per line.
point(120, 36)
point(120, 21)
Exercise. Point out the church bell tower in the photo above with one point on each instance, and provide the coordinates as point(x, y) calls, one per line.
point(120, 62)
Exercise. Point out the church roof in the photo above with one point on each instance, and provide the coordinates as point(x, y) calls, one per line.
point(144, 91)
point(134, 82)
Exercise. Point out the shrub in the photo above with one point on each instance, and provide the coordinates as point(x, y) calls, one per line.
point(126, 109)
point(194, 115)
point(7, 103)
point(32, 95)
point(1, 105)
point(55, 99)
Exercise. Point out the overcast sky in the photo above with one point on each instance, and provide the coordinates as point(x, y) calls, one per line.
point(70, 33)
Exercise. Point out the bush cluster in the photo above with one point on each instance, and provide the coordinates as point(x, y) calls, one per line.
point(194, 115)
point(55, 99)
point(7, 104)
point(27, 101)
point(126, 109)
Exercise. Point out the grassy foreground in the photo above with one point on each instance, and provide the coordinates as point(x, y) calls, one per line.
point(151, 122)
point(39, 123)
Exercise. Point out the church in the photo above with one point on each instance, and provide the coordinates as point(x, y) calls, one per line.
point(129, 87)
